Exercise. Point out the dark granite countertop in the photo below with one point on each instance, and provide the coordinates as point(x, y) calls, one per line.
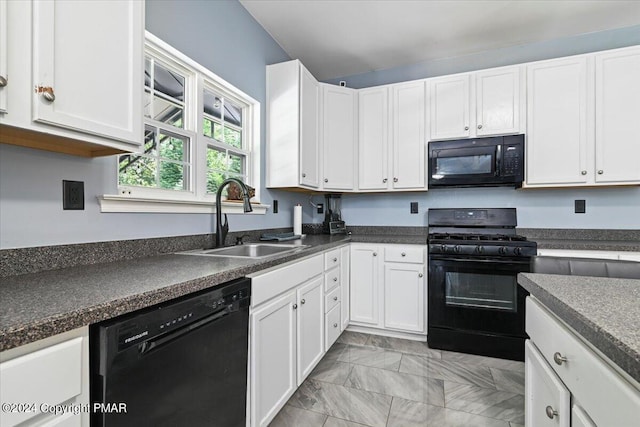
point(604, 311)
point(583, 245)
point(38, 305)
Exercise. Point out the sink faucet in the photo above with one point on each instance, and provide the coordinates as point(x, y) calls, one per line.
point(223, 229)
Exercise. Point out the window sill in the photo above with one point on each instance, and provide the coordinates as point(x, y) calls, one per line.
point(116, 203)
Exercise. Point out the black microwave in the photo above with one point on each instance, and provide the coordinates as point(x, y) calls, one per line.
point(478, 162)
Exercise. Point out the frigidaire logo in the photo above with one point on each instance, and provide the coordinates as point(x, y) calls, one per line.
point(135, 337)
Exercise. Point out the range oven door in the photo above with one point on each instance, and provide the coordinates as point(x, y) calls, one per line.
point(477, 295)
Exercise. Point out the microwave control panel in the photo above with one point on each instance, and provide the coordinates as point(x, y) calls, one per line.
point(512, 159)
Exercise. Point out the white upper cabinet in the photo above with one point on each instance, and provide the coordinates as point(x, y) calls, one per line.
point(373, 139)
point(338, 137)
point(617, 112)
point(3, 56)
point(450, 100)
point(76, 72)
point(557, 146)
point(293, 150)
point(498, 101)
point(409, 140)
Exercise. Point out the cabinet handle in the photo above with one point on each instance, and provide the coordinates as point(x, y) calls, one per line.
point(558, 358)
point(420, 274)
point(600, 172)
point(335, 325)
point(3, 81)
point(326, 180)
point(47, 93)
point(550, 412)
point(395, 179)
point(479, 126)
point(466, 128)
point(583, 172)
point(335, 298)
point(295, 306)
point(302, 301)
point(403, 254)
point(335, 260)
point(335, 279)
point(304, 175)
point(375, 254)
point(384, 181)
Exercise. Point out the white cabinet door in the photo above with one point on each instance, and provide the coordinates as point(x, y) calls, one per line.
point(310, 328)
point(364, 279)
point(90, 56)
point(273, 357)
point(498, 101)
point(579, 417)
point(450, 98)
point(546, 398)
point(409, 135)
point(338, 137)
point(557, 122)
point(373, 139)
point(3, 56)
point(404, 297)
point(617, 114)
point(344, 286)
point(309, 139)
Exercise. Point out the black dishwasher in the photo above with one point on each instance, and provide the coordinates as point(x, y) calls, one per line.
point(179, 363)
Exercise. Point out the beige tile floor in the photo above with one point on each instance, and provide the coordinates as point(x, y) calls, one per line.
point(369, 380)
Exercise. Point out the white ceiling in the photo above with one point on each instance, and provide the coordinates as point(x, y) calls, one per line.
point(339, 38)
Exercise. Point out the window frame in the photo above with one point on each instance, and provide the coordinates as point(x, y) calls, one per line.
point(195, 199)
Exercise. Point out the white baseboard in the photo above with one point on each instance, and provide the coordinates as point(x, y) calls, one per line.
point(387, 333)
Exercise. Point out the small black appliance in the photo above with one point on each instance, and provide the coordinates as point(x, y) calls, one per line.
point(333, 223)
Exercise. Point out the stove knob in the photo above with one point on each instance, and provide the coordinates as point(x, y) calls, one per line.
point(502, 250)
point(456, 249)
point(517, 251)
point(443, 248)
point(479, 249)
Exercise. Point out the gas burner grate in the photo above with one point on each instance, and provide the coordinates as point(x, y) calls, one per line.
point(477, 237)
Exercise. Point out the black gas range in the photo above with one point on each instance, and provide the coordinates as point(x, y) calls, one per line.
point(475, 303)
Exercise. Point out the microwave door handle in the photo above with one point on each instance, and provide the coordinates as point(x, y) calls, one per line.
point(498, 159)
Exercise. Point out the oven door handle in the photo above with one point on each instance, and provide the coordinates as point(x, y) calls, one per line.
point(476, 260)
point(147, 346)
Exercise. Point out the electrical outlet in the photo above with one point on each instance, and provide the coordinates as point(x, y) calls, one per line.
point(580, 206)
point(275, 206)
point(320, 208)
point(73, 195)
point(414, 207)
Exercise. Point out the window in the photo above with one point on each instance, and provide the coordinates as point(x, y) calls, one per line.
point(199, 130)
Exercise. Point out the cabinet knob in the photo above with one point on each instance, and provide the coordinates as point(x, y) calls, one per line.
point(335, 260)
point(304, 175)
point(583, 172)
point(3, 81)
point(295, 306)
point(48, 95)
point(375, 254)
point(600, 172)
point(558, 358)
point(420, 274)
point(395, 179)
point(479, 126)
point(302, 301)
point(466, 128)
point(335, 298)
point(385, 180)
point(550, 412)
point(335, 279)
point(403, 254)
point(335, 325)
point(326, 180)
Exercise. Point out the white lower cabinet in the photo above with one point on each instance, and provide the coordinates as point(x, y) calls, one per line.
point(310, 326)
point(547, 399)
point(388, 287)
point(579, 418)
point(42, 374)
point(606, 397)
point(345, 286)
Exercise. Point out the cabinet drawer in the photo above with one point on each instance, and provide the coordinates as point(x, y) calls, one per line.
point(602, 392)
point(332, 299)
point(280, 279)
point(51, 375)
point(331, 259)
point(331, 279)
point(412, 254)
point(332, 326)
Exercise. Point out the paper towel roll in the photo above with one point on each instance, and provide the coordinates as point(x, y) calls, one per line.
point(297, 219)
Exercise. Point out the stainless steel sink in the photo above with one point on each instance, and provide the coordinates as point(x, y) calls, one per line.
point(249, 250)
